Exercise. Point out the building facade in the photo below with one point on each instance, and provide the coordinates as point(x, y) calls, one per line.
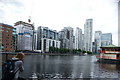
point(119, 23)
point(88, 35)
point(47, 38)
point(35, 40)
point(106, 39)
point(82, 41)
point(78, 38)
point(7, 38)
point(66, 38)
point(25, 35)
point(97, 39)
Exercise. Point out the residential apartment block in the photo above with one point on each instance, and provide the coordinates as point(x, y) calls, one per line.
point(88, 35)
point(47, 38)
point(78, 38)
point(66, 38)
point(7, 38)
point(25, 35)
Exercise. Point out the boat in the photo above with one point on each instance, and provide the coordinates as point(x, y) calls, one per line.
point(109, 53)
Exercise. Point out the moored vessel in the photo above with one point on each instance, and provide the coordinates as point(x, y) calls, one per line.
point(110, 53)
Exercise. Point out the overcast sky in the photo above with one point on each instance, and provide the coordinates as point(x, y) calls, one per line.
point(56, 14)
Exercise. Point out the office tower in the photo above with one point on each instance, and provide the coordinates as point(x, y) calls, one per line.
point(88, 35)
point(7, 38)
point(78, 38)
point(106, 39)
point(47, 38)
point(25, 35)
point(97, 39)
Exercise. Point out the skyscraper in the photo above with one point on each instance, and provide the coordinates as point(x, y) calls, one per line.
point(25, 35)
point(106, 39)
point(119, 23)
point(88, 35)
point(97, 39)
point(78, 38)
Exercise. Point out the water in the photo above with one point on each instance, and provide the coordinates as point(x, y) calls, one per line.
point(47, 66)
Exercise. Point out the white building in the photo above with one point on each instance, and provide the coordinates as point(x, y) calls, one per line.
point(78, 38)
point(47, 38)
point(25, 35)
point(88, 35)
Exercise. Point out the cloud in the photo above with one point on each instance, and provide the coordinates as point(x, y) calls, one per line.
point(57, 14)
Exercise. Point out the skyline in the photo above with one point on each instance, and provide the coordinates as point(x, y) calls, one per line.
point(58, 14)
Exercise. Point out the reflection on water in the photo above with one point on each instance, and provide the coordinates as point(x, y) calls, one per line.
point(46, 66)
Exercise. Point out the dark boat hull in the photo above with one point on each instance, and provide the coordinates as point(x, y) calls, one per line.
point(113, 61)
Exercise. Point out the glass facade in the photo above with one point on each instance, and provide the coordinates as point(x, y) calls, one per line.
point(106, 39)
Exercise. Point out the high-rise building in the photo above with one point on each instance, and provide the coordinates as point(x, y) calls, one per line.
point(119, 23)
point(106, 39)
point(7, 38)
point(82, 41)
point(25, 35)
point(74, 42)
point(88, 35)
point(47, 38)
point(102, 39)
point(78, 38)
point(97, 39)
point(66, 38)
point(35, 40)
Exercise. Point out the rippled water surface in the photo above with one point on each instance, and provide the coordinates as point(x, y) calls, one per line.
point(47, 66)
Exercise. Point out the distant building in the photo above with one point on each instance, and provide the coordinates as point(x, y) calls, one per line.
point(47, 38)
point(25, 35)
point(119, 23)
point(88, 35)
point(7, 38)
point(106, 39)
point(93, 47)
point(101, 40)
point(98, 36)
point(74, 42)
point(35, 40)
point(66, 38)
point(78, 38)
point(82, 41)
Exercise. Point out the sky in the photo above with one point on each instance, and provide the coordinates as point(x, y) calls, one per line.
point(57, 14)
